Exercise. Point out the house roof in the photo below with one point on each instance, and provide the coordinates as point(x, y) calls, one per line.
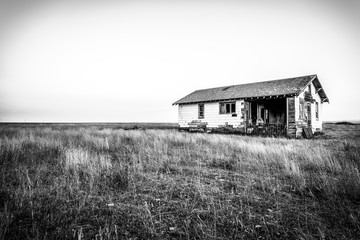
point(287, 87)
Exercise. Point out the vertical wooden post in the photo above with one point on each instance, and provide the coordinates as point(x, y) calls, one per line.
point(287, 116)
point(291, 123)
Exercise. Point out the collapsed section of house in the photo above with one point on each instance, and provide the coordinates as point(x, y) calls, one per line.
point(287, 107)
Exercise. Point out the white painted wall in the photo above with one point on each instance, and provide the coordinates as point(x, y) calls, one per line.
point(316, 123)
point(189, 112)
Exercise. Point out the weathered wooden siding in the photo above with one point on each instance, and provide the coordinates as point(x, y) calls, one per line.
point(189, 112)
point(300, 122)
point(316, 124)
point(291, 112)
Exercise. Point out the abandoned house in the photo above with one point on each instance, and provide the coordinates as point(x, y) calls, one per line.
point(289, 107)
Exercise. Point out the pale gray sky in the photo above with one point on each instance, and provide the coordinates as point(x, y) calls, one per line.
point(123, 61)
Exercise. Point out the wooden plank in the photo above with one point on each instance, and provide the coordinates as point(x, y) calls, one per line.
point(308, 132)
point(291, 111)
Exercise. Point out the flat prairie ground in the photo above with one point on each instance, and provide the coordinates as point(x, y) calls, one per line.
point(104, 182)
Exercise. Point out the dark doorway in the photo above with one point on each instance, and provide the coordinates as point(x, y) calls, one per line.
point(265, 115)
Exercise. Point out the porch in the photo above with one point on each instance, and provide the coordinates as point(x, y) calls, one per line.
point(265, 117)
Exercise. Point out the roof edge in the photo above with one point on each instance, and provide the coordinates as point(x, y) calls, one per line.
point(243, 98)
point(310, 78)
point(233, 85)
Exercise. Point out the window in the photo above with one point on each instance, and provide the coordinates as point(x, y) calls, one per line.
point(201, 111)
point(226, 108)
point(317, 110)
point(309, 88)
point(302, 109)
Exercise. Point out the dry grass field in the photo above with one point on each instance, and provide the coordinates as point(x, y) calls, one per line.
point(103, 182)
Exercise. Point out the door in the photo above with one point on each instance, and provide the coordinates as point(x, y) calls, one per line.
point(254, 113)
point(309, 114)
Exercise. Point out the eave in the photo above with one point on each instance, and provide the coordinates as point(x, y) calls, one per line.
point(235, 99)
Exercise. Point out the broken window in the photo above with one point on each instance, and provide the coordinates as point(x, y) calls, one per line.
point(201, 111)
point(226, 108)
point(302, 109)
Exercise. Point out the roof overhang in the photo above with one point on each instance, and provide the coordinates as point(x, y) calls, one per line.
point(320, 89)
point(251, 91)
point(235, 99)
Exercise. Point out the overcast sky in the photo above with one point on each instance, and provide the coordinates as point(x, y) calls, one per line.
point(121, 61)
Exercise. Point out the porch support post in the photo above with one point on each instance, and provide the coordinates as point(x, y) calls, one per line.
point(287, 116)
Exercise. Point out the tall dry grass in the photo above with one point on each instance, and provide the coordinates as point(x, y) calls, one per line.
point(88, 183)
